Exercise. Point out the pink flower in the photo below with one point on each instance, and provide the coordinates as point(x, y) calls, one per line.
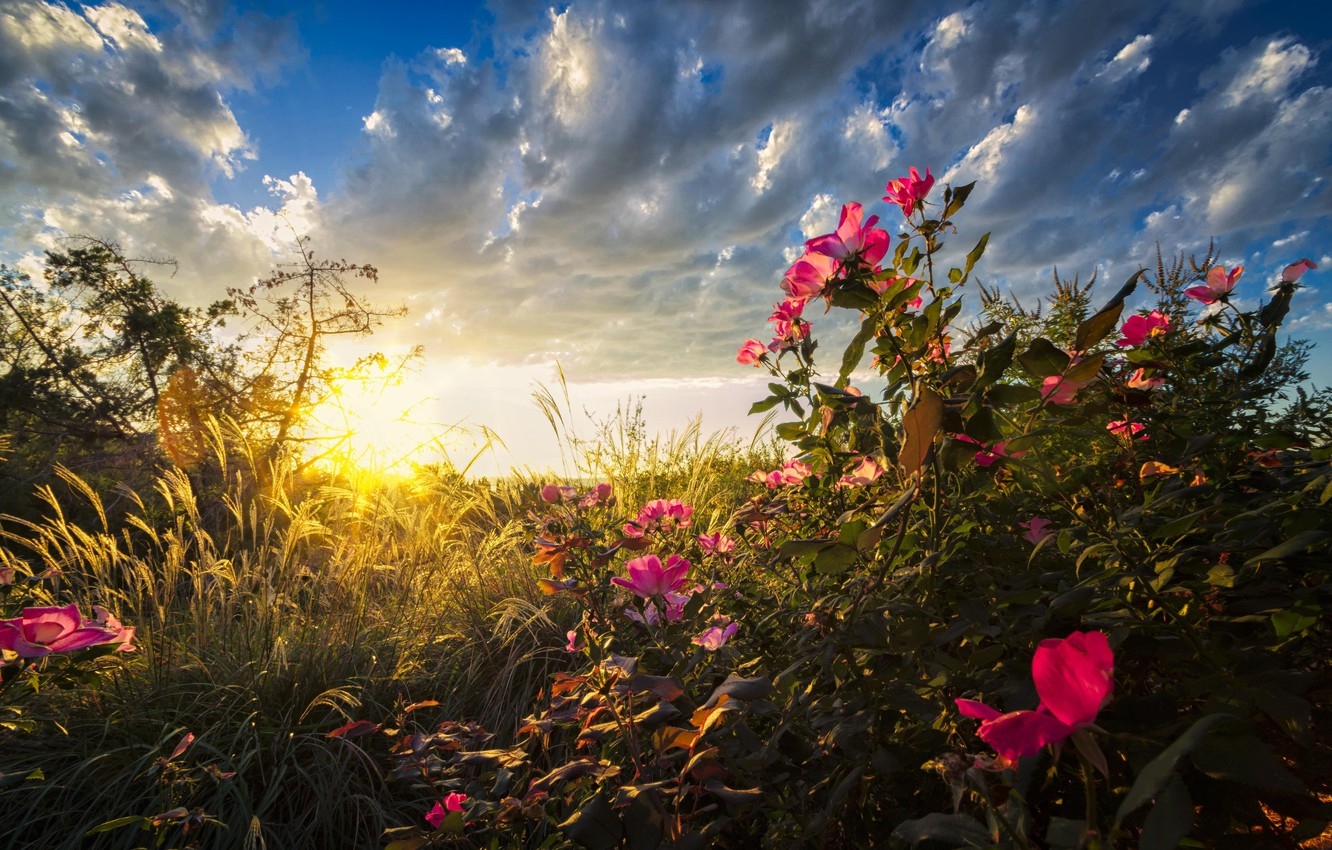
point(715, 637)
point(1074, 678)
point(647, 576)
point(452, 803)
point(675, 605)
point(808, 275)
point(851, 239)
point(1127, 430)
point(787, 334)
point(1037, 528)
point(908, 192)
point(787, 310)
point(599, 494)
point(1296, 270)
point(39, 632)
point(716, 544)
point(557, 492)
point(1140, 381)
point(573, 645)
point(1139, 329)
point(103, 619)
point(865, 472)
point(1058, 389)
point(987, 455)
point(750, 353)
point(1220, 283)
point(660, 515)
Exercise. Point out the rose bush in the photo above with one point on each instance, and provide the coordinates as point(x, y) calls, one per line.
point(1020, 518)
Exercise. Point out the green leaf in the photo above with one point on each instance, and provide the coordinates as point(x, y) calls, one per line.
point(1169, 820)
point(595, 825)
point(117, 823)
point(855, 351)
point(1009, 395)
point(1245, 759)
point(762, 406)
point(1099, 326)
point(956, 830)
point(1158, 773)
point(974, 255)
point(1043, 358)
point(1295, 545)
point(957, 199)
point(836, 559)
point(1086, 369)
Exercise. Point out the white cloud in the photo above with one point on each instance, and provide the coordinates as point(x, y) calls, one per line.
point(1131, 60)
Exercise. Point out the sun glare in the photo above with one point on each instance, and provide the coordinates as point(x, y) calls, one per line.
point(379, 423)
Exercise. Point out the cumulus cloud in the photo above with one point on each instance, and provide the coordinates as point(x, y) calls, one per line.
point(620, 186)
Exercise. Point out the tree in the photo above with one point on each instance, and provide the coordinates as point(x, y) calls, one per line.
point(295, 314)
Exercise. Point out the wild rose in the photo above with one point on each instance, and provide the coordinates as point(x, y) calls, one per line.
point(40, 631)
point(660, 515)
point(750, 353)
point(648, 577)
point(787, 310)
point(787, 335)
point(1074, 679)
point(103, 619)
point(1220, 284)
point(715, 637)
point(1140, 381)
point(852, 239)
point(1059, 389)
point(988, 455)
point(451, 803)
point(1127, 430)
point(716, 544)
point(1037, 528)
point(865, 472)
point(598, 495)
point(557, 493)
point(909, 192)
point(675, 605)
point(808, 275)
point(1296, 270)
point(573, 644)
point(1139, 329)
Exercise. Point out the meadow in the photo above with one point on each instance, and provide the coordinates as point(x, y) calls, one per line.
point(1056, 579)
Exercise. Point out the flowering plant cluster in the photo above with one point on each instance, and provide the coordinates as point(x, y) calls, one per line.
point(1097, 534)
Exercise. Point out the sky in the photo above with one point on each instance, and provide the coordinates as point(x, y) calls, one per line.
point(616, 187)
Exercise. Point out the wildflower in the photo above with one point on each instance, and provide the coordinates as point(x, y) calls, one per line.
point(38, 632)
point(103, 619)
point(988, 455)
point(716, 544)
point(647, 576)
point(808, 275)
point(598, 495)
point(1139, 381)
point(1127, 430)
point(852, 239)
point(1296, 270)
point(451, 803)
point(1059, 389)
point(1139, 329)
point(660, 515)
point(1074, 678)
point(1037, 528)
point(573, 645)
point(557, 492)
point(675, 605)
point(715, 637)
point(909, 192)
point(865, 472)
point(750, 353)
point(1220, 284)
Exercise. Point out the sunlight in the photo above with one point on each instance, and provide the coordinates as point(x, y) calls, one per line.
point(378, 422)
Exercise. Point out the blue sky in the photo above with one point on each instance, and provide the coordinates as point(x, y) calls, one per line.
point(618, 186)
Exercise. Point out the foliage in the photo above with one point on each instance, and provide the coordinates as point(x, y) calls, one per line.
point(1044, 484)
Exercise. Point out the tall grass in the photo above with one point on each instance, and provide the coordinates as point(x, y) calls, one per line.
point(269, 616)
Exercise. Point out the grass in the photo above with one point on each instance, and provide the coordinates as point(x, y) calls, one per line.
point(266, 619)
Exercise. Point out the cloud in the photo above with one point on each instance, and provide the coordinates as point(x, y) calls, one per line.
point(621, 186)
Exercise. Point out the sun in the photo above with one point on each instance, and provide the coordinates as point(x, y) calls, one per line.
point(377, 421)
